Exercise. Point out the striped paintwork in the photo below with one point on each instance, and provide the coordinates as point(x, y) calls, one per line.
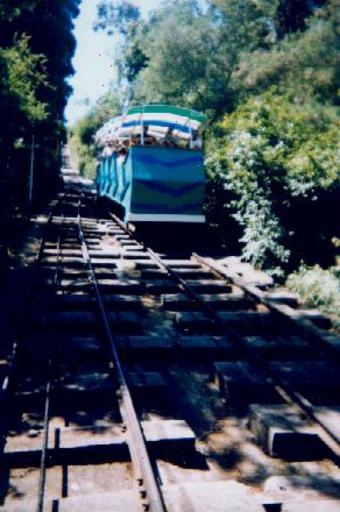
point(159, 118)
point(155, 183)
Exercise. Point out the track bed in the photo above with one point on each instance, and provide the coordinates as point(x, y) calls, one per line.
point(147, 382)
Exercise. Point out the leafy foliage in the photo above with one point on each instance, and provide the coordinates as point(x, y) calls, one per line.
point(272, 151)
point(303, 64)
point(22, 75)
point(36, 48)
point(81, 136)
point(290, 15)
point(20, 78)
point(180, 55)
point(124, 20)
point(319, 288)
point(112, 17)
point(186, 43)
point(266, 72)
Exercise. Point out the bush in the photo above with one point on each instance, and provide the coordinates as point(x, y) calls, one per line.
point(318, 288)
point(81, 135)
point(277, 158)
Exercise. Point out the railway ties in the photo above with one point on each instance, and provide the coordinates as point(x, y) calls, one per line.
point(301, 385)
point(142, 360)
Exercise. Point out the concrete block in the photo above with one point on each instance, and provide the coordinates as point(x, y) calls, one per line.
point(219, 496)
point(127, 242)
point(142, 344)
point(174, 263)
point(69, 285)
point(125, 321)
point(101, 253)
point(96, 443)
point(314, 316)
point(281, 347)
point(65, 260)
point(120, 286)
point(123, 501)
point(293, 493)
point(147, 263)
point(209, 285)
point(204, 344)
point(147, 381)
point(134, 255)
point(169, 436)
point(320, 381)
point(154, 273)
point(135, 248)
point(315, 505)
point(283, 432)
point(195, 323)
point(282, 296)
point(50, 263)
point(64, 252)
point(256, 323)
point(74, 302)
point(108, 262)
point(74, 347)
point(23, 449)
point(90, 382)
point(192, 273)
point(161, 286)
point(240, 383)
point(220, 302)
point(75, 321)
point(190, 346)
point(330, 417)
point(123, 302)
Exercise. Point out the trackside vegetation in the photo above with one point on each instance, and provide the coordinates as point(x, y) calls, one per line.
point(278, 159)
point(266, 73)
point(319, 288)
point(36, 48)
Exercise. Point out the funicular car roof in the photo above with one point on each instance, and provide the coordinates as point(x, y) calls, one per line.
point(159, 118)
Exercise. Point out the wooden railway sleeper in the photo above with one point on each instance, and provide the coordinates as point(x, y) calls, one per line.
point(288, 395)
point(153, 500)
point(313, 333)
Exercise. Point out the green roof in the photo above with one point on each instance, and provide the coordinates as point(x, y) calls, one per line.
point(166, 109)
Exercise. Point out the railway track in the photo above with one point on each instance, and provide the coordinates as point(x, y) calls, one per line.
point(157, 383)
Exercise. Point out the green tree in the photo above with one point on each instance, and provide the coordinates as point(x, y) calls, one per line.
point(279, 160)
point(266, 72)
point(191, 56)
point(304, 64)
point(21, 76)
point(116, 18)
point(123, 20)
point(81, 135)
point(291, 15)
point(181, 55)
point(185, 64)
point(36, 45)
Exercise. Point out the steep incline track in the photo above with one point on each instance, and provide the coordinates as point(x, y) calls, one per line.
point(146, 382)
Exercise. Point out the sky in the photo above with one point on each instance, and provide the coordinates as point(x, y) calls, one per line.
point(92, 62)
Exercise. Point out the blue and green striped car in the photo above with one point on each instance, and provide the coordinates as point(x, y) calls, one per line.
point(151, 164)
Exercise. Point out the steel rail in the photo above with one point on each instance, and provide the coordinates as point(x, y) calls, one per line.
point(288, 394)
point(47, 225)
point(151, 498)
point(44, 450)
